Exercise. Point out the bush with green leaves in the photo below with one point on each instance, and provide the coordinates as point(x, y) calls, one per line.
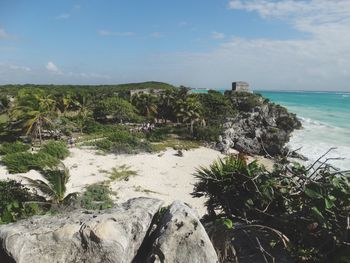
point(57, 149)
point(16, 202)
point(14, 147)
point(122, 141)
point(159, 134)
point(114, 109)
point(208, 133)
point(309, 206)
point(48, 156)
point(23, 162)
point(96, 197)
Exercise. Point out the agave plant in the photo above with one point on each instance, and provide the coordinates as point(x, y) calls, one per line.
point(53, 187)
point(223, 181)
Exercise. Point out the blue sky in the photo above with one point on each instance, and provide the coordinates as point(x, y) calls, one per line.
point(280, 45)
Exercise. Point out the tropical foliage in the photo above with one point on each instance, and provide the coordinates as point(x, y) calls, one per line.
point(97, 197)
point(16, 202)
point(52, 186)
point(308, 207)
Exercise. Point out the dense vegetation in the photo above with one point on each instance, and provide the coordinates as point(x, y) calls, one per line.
point(309, 207)
point(304, 209)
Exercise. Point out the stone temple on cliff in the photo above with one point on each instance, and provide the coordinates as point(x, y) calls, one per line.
point(240, 86)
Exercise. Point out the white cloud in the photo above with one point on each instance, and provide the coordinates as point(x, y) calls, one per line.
point(217, 35)
point(117, 34)
point(5, 35)
point(51, 67)
point(63, 16)
point(318, 60)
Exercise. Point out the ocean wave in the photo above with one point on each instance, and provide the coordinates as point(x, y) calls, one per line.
point(316, 139)
point(308, 121)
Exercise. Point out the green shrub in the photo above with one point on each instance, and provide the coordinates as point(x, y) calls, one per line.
point(96, 197)
point(244, 101)
point(209, 133)
point(122, 141)
point(94, 127)
point(308, 207)
point(13, 198)
point(15, 147)
point(24, 161)
point(57, 149)
point(158, 134)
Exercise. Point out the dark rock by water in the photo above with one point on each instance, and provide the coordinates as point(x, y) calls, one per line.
point(259, 127)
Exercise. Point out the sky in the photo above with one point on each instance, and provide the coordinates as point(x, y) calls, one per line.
point(272, 44)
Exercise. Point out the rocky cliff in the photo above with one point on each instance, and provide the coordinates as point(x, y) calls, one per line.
point(259, 127)
point(139, 230)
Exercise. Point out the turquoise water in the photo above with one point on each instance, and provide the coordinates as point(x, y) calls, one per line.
point(326, 122)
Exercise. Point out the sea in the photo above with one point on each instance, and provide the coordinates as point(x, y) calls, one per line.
point(325, 117)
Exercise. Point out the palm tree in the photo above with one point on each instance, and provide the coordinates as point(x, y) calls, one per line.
point(166, 105)
point(145, 103)
point(34, 114)
point(5, 105)
point(64, 102)
point(83, 105)
point(189, 111)
point(53, 187)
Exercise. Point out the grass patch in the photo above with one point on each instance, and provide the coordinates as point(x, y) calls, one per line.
point(23, 162)
point(176, 144)
point(15, 147)
point(19, 160)
point(97, 197)
point(56, 149)
point(120, 173)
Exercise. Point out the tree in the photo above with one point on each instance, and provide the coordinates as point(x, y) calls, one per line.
point(33, 112)
point(216, 107)
point(5, 105)
point(83, 105)
point(114, 109)
point(54, 185)
point(189, 111)
point(166, 105)
point(64, 102)
point(146, 104)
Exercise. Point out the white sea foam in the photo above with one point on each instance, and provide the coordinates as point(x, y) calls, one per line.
point(316, 138)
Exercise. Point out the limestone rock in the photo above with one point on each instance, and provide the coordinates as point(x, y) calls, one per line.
point(113, 235)
point(260, 127)
point(182, 238)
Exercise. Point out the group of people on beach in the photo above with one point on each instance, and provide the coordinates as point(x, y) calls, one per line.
point(145, 127)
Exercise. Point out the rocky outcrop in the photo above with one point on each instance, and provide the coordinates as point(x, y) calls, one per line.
point(180, 237)
point(259, 127)
point(114, 235)
point(124, 233)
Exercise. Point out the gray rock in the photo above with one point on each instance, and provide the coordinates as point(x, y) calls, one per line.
point(182, 238)
point(263, 129)
point(113, 235)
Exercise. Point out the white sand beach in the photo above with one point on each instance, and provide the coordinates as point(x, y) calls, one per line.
point(164, 175)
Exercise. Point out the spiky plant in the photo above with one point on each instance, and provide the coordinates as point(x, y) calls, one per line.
point(54, 184)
